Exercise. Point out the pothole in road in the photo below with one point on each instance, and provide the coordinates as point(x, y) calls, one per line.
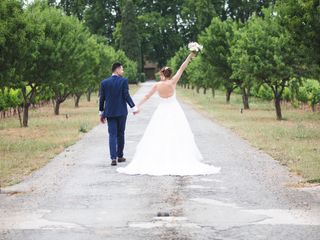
point(173, 218)
point(164, 219)
point(163, 214)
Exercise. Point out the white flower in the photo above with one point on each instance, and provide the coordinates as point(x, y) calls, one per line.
point(195, 47)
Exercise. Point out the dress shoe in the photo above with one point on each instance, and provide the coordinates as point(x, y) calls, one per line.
point(122, 159)
point(114, 162)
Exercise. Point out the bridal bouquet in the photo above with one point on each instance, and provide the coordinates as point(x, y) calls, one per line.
point(195, 47)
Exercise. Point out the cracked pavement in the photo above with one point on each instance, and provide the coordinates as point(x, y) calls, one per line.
point(78, 195)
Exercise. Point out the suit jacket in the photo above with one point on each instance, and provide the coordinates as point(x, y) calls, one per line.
point(114, 97)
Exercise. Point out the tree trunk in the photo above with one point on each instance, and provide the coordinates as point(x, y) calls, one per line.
point(89, 95)
point(57, 107)
point(19, 114)
point(204, 90)
point(245, 98)
point(228, 94)
point(198, 89)
point(277, 104)
point(25, 117)
point(213, 92)
point(77, 100)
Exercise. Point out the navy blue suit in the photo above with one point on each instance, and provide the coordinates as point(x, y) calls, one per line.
point(114, 97)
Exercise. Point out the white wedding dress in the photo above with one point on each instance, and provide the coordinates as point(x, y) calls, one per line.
point(168, 146)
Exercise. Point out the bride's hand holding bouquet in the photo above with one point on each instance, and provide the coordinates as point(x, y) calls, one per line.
point(194, 48)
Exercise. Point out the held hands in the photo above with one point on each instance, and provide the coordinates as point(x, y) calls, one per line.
point(102, 120)
point(137, 111)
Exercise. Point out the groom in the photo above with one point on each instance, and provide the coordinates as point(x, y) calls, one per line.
point(114, 96)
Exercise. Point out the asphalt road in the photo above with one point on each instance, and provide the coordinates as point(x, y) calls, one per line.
point(78, 195)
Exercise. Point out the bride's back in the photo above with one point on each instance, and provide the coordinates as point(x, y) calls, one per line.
point(165, 89)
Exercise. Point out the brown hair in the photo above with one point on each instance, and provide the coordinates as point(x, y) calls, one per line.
point(166, 71)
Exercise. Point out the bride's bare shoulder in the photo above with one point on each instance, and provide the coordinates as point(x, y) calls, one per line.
point(156, 85)
point(172, 84)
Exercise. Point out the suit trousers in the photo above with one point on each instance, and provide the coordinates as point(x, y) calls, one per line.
point(116, 128)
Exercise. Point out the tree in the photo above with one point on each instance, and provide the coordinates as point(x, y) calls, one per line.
point(90, 62)
point(242, 10)
point(33, 72)
point(160, 30)
point(302, 20)
point(46, 54)
point(129, 38)
point(61, 63)
point(197, 15)
point(202, 75)
point(266, 53)
point(217, 40)
point(101, 17)
point(105, 55)
point(20, 44)
point(12, 36)
point(74, 7)
point(72, 76)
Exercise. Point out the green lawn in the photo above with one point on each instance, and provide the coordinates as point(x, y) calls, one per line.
point(295, 141)
point(23, 150)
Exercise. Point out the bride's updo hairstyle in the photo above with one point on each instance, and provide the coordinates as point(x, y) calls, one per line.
point(166, 71)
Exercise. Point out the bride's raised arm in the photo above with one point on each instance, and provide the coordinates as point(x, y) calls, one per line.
point(183, 66)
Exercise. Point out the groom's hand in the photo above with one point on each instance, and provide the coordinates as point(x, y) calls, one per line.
point(102, 120)
point(137, 111)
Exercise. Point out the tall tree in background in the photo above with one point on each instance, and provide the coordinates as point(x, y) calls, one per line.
point(101, 17)
point(241, 10)
point(302, 19)
point(73, 7)
point(12, 38)
point(20, 40)
point(129, 38)
point(164, 26)
point(266, 53)
point(217, 40)
point(197, 15)
point(159, 26)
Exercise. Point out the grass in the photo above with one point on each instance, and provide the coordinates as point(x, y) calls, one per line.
point(294, 142)
point(23, 150)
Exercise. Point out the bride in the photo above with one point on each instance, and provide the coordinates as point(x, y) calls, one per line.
point(168, 146)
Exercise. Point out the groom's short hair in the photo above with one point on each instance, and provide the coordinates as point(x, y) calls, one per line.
point(115, 66)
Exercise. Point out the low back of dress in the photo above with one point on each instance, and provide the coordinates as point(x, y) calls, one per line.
point(165, 89)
